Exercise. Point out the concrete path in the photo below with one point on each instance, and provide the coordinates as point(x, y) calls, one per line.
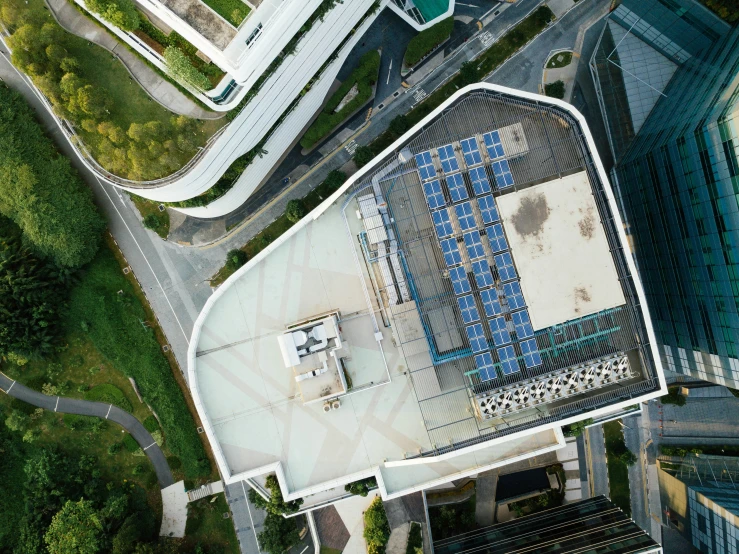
point(158, 88)
point(174, 511)
point(98, 409)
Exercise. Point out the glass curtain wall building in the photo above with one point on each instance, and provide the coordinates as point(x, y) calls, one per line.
point(595, 526)
point(700, 498)
point(676, 177)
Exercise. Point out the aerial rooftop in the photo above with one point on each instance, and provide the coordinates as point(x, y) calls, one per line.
point(446, 311)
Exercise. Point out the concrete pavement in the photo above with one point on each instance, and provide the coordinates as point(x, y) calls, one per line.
point(112, 413)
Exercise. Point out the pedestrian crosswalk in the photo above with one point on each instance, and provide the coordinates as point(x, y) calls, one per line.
point(351, 146)
point(419, 94)
point(487, 39)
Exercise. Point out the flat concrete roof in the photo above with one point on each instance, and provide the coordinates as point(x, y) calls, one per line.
point(560, 250)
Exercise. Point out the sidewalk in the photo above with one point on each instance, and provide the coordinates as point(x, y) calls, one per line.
point(158, 88)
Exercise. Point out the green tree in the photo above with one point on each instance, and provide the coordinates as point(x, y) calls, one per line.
point(628, 457)
point(180, 67)
point(363, 155)
point(276, 504)
point(17, 421)
point(40, 192)
point(30, 301)
point(376, 526)
point(279, 534)
point(399, 125)
point(555, 89)
point(361, 488)
point(295, 210)
point(76, 529)
point(92, 101)
point(121, 13)
point(235, 259)
point(469, 73)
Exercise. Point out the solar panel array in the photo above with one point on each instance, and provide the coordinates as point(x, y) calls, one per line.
point(497, 287)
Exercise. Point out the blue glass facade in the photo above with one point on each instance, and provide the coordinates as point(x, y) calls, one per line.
point(678, 185)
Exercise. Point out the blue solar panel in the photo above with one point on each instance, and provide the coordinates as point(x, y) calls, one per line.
point(434, 196)
point(468, 308)
point(493, 145)
point(496, 236)
point(447, 159)
point(425, 165)
point(500, 332)
point(449, 248)
point(465, 217)
point(502, 172)
point(522, 323)
point(508, 360)
point(457, 190)
point(459, 280)
point(478, 342)
point(442, 223)
point(473, 242)
point(490, 302)
point(480, 182)
point(513, 294)
point(471, 151)
point(531, 356)
point(504, 263)
point(488, 210)
point(483, 276)
point(484, 364)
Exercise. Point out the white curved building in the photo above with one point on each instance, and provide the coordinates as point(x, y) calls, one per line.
point(420, 325)
point(289, 92)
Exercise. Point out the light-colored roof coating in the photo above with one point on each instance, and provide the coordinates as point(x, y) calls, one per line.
point(560, 250)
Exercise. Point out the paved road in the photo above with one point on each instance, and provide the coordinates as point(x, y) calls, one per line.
point(64, 405)
point(595, 450)
point(637, 472)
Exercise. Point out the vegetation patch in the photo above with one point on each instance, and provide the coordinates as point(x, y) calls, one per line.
point(364, 78)
point(376, 527)
point(122, 127)
point(555, 89)
point(728, 10)
point(279, 533)
point(673, 396)
point(425, 41)
point(361, 488)
point(109, 394)
point(152, 217)
point(415, 539)
point(576, 429)
point(207, 530)
point(452, 519)
point(560, 59)
point(279, 226)
point(233, 11)
point(618, 471)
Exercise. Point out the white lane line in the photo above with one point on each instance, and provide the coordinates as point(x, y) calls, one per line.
point(152, 444)
point(11, 386)
point(468, 5)
point(306, 548)
point(57, 403)
point(187, 339)
point(246, 499)
point(389, 70)
point(109, 408)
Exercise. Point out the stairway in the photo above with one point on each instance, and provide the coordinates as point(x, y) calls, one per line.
point(205, 490)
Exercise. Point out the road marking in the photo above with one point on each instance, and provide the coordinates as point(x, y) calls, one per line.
point(468, 5)
point(152, 444)
point(187, 339)
point(419, 95)
point(351, 147)
point(487, 39)
point(109, 408)
point(57, 403)
point(389, 69)
point(246, 499)
point(306, 548)
point(11, 386)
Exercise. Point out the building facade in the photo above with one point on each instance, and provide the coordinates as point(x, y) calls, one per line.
point(700, 498)
point(676, 176)
point(595, 526)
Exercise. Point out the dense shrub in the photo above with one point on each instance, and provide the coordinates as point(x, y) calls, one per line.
point(363, 155)
point(425, 41)
point(236, 258)
point(109, 394)
point(295, 210)
point(376, 527)
point(114, 326)
point(130, 443)
point(121, 13)
point(40, 191)
point(151, 424)
point(364, 77)
point(361, 488)
point(555, 89)
point(180, 68)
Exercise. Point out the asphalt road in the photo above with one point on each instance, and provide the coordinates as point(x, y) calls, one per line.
point(637, 472)
point(595, 450)
point(64, 405)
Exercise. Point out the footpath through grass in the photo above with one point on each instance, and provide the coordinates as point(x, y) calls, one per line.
point(618, 471)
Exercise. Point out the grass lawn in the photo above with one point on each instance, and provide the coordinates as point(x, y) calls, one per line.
point(560, 59)
point(327, 550)
point(153, 219)
point(207, 526)
point(233, 11)
point(618, 471)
